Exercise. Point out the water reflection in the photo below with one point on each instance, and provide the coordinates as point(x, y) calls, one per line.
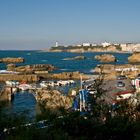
point(23, 103)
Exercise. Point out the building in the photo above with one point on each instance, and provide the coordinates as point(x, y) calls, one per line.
point(105, 44)
point(86, 44)
point(130, 47)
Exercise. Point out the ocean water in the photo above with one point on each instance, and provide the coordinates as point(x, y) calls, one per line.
point(24, 102)
point(57, 59)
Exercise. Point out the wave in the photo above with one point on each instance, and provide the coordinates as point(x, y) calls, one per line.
point(44, 60)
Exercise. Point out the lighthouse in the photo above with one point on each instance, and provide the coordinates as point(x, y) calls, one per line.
point(56, 44)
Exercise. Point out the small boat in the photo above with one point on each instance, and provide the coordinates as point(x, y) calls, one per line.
point(24, 87)
point(12, 83)
point(8, 72)
point(43, 84)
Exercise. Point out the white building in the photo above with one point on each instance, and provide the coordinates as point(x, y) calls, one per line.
point(105, 44)
point(86, 44)
point(130, 47)
point(94, 44)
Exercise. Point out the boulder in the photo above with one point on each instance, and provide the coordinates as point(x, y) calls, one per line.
point(106, 68)
point(12, 60)
point(106, 58)
point(11, 67)
point(53, 99)
point(134, 58)
point(76, 58)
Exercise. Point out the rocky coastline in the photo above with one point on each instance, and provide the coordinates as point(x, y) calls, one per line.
point(77, 49)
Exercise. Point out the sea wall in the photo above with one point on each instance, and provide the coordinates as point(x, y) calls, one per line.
point(28, 78)
point(64, 75)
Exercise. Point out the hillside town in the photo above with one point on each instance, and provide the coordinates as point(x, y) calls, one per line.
point(93, 47)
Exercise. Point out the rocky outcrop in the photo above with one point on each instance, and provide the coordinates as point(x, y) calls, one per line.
point(65, 75)
point(53, 99)
point(12, 60)
point(109, 68)
point(134, 58)
point(11, 67)
point(31, 68)
point(76, 58)
point(105, 58)
point(106, 68)
point(6, 94)
point(112, 70)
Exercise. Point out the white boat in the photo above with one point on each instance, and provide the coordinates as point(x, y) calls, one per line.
point(24, 87)
point(43, 84)
point(12, 83)
point(8, 72)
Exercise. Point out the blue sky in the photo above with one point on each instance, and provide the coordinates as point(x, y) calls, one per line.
point(38, 24)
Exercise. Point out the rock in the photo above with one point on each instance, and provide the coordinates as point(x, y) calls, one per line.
point(12, 60)
point(106, 68)
point(109, 68)
point(76, 58)
point(53, 99)
point(134, 58)
point(33, 68)
point(5, 94)
point(11, 67)
point(106, 58)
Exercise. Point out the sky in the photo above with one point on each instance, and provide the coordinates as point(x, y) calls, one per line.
point(38, 24)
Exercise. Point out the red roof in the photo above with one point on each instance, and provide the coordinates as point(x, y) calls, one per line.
point(124, 92)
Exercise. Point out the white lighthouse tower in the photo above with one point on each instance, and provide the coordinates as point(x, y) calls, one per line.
point(56, 44)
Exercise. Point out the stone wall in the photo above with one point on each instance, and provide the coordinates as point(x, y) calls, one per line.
point(28, 78)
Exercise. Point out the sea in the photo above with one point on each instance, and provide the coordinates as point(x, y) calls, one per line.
point(24, 102)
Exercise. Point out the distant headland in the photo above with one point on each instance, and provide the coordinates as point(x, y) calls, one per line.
point(103, 47)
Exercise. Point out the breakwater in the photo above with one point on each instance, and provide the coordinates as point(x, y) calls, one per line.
point(21, 77)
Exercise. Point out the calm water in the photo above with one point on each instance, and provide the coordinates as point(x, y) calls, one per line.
point(24, 102)
point(57, 59)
